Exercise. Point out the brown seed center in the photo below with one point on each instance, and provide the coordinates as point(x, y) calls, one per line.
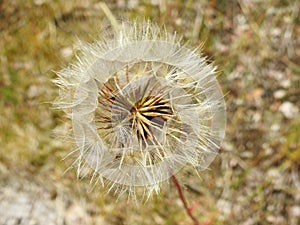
point(149, 115)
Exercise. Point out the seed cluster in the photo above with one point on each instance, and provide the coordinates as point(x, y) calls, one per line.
point(149, 111)
point(132, 114)
point(142, 106)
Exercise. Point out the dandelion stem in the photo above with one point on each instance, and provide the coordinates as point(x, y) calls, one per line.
point(184, 202)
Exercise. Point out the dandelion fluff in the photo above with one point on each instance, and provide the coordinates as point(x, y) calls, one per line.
point(142, 106)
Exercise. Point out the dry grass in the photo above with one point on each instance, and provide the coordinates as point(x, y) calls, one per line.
point(256, 45)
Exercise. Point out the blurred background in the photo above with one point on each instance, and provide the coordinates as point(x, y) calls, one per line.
point(254, 180)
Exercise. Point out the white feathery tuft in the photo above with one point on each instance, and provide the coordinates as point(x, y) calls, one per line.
point(142, 107)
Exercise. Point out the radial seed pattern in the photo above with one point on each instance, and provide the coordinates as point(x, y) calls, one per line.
point(142, 107)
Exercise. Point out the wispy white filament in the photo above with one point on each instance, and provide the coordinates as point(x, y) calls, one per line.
point(142, 107)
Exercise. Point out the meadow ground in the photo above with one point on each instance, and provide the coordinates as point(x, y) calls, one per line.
point(254, 180)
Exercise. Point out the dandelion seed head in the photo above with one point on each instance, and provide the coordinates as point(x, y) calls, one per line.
point(142, 107)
